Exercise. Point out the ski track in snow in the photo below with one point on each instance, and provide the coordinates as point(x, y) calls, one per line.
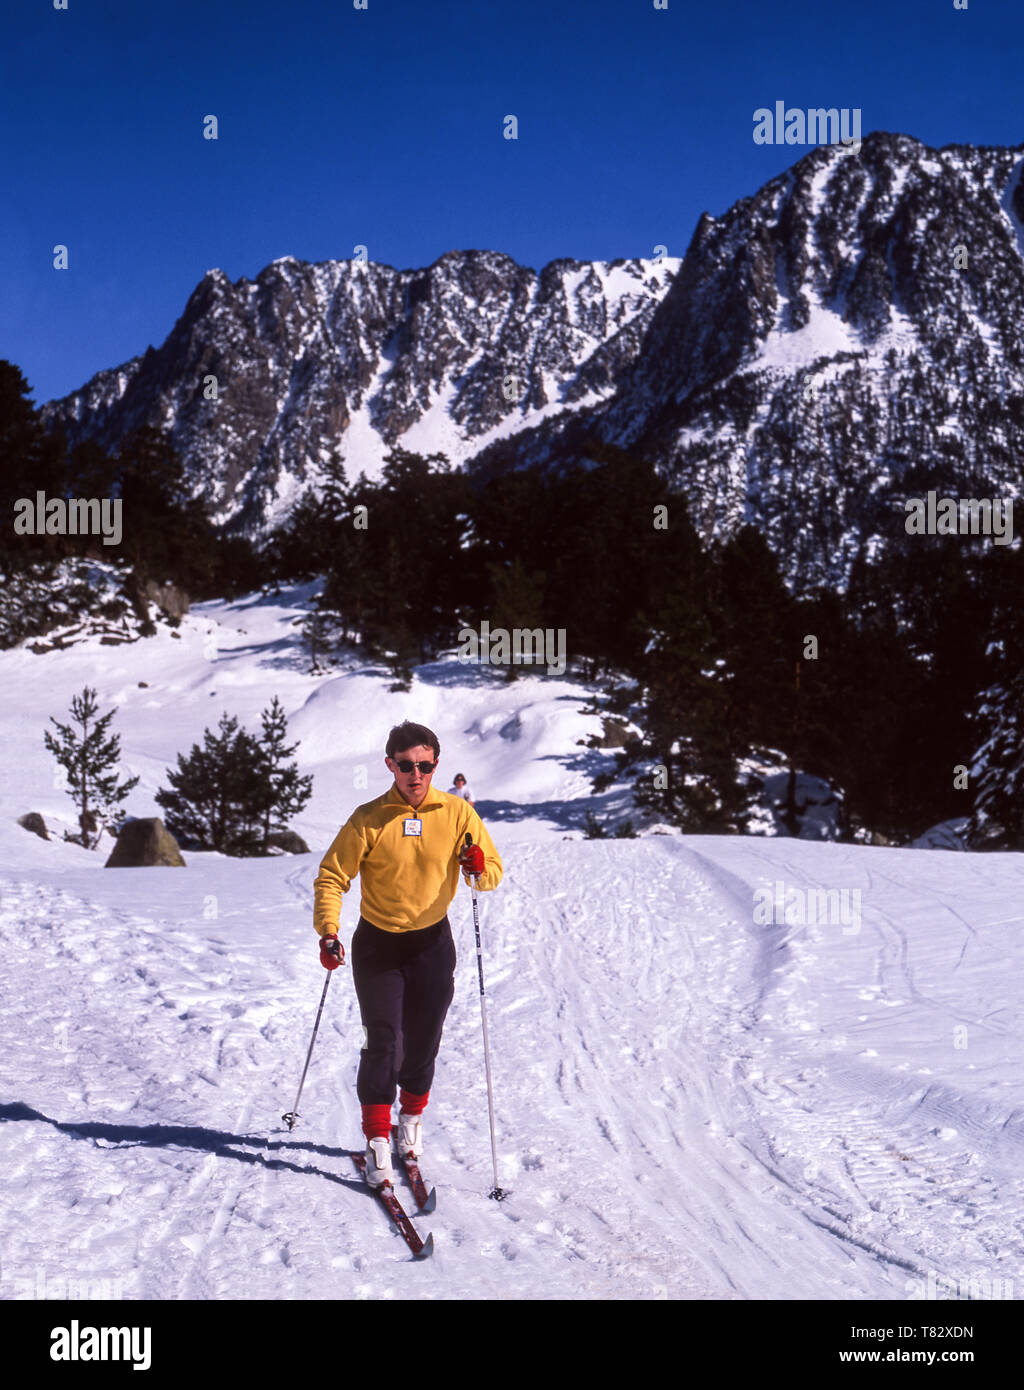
point(684, 1106)
point(688, 1104)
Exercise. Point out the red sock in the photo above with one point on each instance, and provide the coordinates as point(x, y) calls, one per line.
point(413, 1105)
point(377, 1121)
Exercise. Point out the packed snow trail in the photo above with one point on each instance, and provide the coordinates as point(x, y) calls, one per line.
point(885, 1085)
point(689, 1105)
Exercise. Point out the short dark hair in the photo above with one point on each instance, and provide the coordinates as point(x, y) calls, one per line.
point(409, 735)
point(459, 777)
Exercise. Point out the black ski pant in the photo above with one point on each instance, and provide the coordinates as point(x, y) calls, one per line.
point(405, 982)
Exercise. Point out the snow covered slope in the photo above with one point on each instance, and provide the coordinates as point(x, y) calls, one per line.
point(689, 1103)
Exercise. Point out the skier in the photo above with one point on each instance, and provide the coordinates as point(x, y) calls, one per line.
point(459, 788)
point(408, 845)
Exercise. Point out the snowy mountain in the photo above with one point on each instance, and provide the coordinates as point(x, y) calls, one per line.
point(705, 1088)
point(355, 356)
point(846, 337)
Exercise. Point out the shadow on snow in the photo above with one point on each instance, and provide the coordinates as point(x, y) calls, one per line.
point(212, 1141)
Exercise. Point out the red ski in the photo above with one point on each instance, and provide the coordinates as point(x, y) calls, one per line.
point(426, 1201)
point(422, 1250)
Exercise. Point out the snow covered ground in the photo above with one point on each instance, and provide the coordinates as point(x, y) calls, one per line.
point(692, 1101)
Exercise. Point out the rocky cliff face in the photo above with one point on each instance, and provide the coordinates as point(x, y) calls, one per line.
point(353, 357)
point(846, 338)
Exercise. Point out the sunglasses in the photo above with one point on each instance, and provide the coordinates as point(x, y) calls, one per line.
point(406, 765)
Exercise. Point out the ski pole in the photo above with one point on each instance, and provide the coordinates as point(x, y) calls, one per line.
point(290, 1116)
point(498, 1193)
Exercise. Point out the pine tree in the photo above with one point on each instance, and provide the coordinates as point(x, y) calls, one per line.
point(90, 759)
point(294, 548)
point(216, 796)
point(334, 500)
point(400, 597)
point(285, 792)
point(229, 794)
point(316, 528)
point(997, 765)
point(997, 820)
point(693, 723)
point(32, 461)
point(518, 603)
point(602, 557)
point(316, 626)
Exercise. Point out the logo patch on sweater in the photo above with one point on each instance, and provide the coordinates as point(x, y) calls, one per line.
point(413, 825)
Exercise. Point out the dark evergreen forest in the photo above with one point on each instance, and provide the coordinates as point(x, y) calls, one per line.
point(884, 690)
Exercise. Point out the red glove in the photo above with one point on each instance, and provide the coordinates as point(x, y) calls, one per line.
point(332, 952)
point(472, 859)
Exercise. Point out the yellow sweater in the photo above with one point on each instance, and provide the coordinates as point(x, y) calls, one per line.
point(409, 878)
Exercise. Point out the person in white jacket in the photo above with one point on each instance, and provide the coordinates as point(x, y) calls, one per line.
point(459, 788)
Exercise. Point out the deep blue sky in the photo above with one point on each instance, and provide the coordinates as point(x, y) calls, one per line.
point(384, 127)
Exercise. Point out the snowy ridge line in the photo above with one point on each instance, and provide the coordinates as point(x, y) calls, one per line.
point(436, 341)
point(1013, 224)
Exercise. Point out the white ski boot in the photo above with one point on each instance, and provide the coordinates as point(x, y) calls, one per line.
point(378, 1163)
point(410, 1135)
